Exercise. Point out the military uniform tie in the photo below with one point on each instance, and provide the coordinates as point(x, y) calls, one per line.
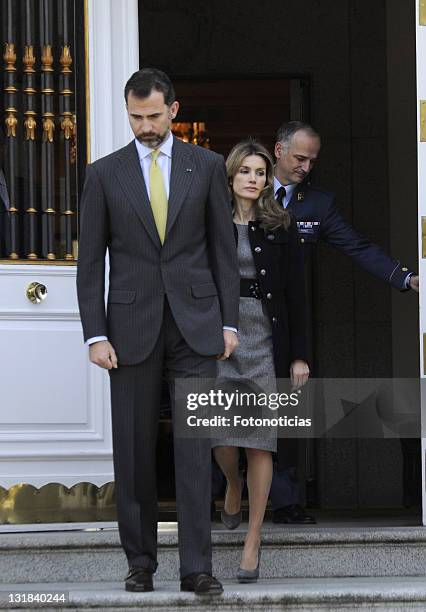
point(280, 197)
point(158, 196)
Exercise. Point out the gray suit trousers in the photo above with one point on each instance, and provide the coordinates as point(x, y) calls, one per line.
point(135, 399)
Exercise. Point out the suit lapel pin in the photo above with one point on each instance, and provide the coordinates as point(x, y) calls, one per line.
point(300, 196)
point(189, 169)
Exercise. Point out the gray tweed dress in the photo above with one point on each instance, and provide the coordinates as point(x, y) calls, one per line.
point(253, 358)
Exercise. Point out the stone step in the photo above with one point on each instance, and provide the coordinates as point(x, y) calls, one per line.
point(287, 552)
point(291, 594)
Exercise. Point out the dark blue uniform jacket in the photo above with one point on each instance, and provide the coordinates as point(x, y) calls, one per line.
point(318, 219)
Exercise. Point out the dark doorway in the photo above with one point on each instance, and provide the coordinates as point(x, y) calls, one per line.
point(232, 109)
point(360, 85)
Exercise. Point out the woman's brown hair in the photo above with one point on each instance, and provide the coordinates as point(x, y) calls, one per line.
point(267, 210)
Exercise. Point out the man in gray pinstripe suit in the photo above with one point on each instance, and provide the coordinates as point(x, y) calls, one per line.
point(172, 304)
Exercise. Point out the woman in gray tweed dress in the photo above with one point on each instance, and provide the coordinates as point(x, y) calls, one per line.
point(272, 340)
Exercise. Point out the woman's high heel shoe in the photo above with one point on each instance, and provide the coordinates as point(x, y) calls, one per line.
point(231, 521)
point(244, 576)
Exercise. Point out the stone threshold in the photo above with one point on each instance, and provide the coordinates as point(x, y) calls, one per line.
point(402, 593)
point(167, 536)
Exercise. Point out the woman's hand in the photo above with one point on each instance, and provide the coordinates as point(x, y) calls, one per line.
point(299, 374)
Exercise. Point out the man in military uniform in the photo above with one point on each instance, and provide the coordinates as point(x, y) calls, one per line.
point(296, 150)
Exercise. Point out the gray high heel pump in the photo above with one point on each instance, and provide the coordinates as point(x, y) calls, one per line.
point(231, 521)
point(244, 576)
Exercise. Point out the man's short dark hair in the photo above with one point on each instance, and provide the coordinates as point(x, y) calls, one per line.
point(144, 81)
point(287, 130)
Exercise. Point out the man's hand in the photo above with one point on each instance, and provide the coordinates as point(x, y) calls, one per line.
point(103, 355)
point(299, 374)
point(231, 342)
point(414, 283)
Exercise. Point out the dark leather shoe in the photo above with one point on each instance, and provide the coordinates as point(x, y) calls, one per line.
point(201, 584)
point(139, 579)
point(294, 515)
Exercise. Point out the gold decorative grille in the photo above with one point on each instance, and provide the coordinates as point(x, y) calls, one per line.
point(43, 54)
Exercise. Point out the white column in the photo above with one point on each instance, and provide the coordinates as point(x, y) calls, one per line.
point(113, 57)
point(421, 161)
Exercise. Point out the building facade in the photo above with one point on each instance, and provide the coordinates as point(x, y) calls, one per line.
point(356, 70)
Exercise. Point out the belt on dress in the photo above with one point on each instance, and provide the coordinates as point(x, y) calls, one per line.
point(249, 287)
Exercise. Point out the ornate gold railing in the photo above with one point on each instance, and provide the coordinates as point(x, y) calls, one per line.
point(43, 40)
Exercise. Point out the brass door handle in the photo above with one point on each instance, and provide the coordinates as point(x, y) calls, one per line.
point(36, 292)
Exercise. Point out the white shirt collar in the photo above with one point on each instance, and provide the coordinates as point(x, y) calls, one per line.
point(289, 189)
point(166, 147)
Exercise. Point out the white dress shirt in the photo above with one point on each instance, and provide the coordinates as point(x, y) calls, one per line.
point(289, 190)
point(164, 160)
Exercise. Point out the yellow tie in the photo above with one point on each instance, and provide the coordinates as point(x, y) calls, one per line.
point(157, 190)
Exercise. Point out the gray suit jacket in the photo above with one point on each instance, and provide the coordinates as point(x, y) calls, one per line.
point(196, 267)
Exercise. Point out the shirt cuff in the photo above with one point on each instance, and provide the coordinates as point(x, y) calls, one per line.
point(407, 280)
point(234, 329)
point(95, 339)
